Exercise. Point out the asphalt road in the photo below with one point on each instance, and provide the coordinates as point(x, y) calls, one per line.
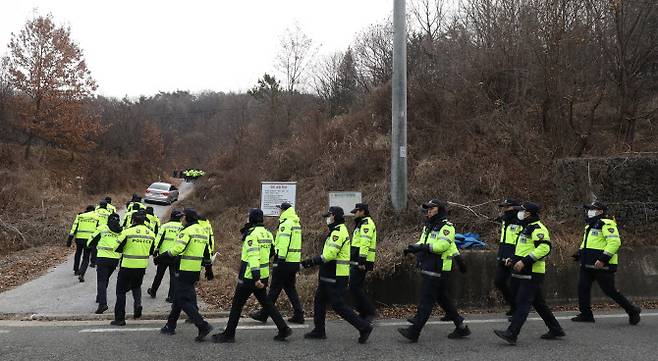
point(59, 293)
point(611, 338)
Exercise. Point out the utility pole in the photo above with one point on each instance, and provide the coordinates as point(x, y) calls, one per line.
point(399, 108)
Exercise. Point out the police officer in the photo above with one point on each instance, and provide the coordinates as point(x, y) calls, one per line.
point(509, 233)
point(135, 203)
point(598, 257)
point(84, 226)
point(333, 277)
point(152, 221)
point(135, 244)
point(362, 259)
point(164, 241)
point(434, 252)
point(105, 240)
point(528, 269)
point(103, 211)
point(192, 251)
point(287, 255)
point(207, 226)
point(252, 278)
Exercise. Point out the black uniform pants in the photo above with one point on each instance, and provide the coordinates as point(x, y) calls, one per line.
point(529, 293)
point(159, 274)
point(332, 294)
point(86, 253)
point(434, 290)
point(80, 245)
point(185, 300)
point(362, 303)
point(606, 281)
point(502, 282)
point(284, 277)
point(243, 290)
point(128, 279)
point(94, 252)
point(104, 270)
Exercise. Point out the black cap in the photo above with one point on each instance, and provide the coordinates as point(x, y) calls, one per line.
point(139, 217)
point(434, 203)
point(283, 206)
point(190, 214)
point(531, 207)
point(596, 205)
point(360, 207)
point(108, 199)
point(102, 204)
point(113, 218)
point(336, 211)
point(509, 202)
point(90, 208)
point(149, 210)
point(136, 197)
point(176, 214)
point(255, 216)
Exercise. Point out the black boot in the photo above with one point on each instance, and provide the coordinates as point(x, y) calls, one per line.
point(583, 318)
point(553, 334)
point(511, 339)
point(365, 333)
point(203, 332)
point(634, 317)
point(408, 334)
point(460, 332)
point(298, 318)
point(281, 336)
point(222, 338)
point(316, 335)
point(81, 278)
point(166, 330)
point(138, 312)
point(118, 323)
point(151, 292)
point(259, 316)
point(101, 309)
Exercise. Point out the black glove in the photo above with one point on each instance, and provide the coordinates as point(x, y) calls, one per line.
point(209, 274)
point(576, 256)
point(461, 265)
point(69, 240)
point(307, 263)
point(415, 248)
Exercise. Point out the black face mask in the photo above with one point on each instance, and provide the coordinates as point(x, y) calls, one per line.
point(510, 216)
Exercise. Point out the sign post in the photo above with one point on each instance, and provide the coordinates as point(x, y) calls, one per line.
point(345, 200)
point(275, 193)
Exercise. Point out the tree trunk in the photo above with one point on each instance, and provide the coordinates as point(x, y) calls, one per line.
point(28, 145)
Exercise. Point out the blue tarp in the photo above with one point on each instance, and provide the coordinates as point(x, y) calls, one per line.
point(469, 241)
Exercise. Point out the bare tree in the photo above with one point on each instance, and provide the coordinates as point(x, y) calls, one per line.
point(430, 16)
point(296, 54)
point(373, 50)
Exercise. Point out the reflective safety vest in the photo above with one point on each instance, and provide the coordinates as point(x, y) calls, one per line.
point(335, 254)
point(103, 214)
point(509, 234)
point(532, 247)
point(135, 206)
point(211, 234)
point(127, 219)
point(153, 223)
point(255, 257)
point(85, 225)
point(110, 207)
point(442, 248)
point(288, 242)
point(107, 243)
point(191, 245)
point(601, 242)
point(364, 241)
point(137, 242)
point(167, 235)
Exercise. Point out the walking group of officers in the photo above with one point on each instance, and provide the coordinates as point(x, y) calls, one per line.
point(185, 245)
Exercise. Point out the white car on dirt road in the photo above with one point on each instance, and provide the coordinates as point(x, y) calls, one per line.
point(160, 192)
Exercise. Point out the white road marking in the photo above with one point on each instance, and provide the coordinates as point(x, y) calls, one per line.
point(504, 320)
point(152, 329)
point(4, 331)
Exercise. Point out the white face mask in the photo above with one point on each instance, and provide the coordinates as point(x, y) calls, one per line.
point(520, 215)
point(592, 213)
point(329, 220)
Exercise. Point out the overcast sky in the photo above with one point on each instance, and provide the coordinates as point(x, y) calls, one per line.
point(140, 47)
